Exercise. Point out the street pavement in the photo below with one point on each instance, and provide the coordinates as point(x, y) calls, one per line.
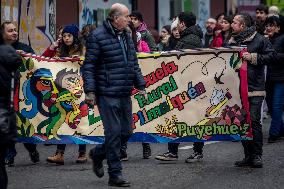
point(216, 171)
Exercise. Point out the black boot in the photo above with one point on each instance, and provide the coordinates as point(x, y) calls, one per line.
point(98, 167)
point(118, 182)
point(146, 150)
point(257, 162)
point(247, 161)
point(34, 156)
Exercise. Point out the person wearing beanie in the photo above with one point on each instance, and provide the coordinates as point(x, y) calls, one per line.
point(175, 36)
point(70, 46)
point(141, 27)
point(273, 11)
point(208, 37)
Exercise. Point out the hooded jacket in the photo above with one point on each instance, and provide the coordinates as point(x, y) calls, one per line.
point(111, 66)
point(147, 36)
point(190, 38)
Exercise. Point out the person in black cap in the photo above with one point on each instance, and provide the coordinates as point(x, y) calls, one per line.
point(71, 46)
point(141, 27)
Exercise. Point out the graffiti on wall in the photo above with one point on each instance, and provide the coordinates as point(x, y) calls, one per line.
point(95, 12)
point(39, 32)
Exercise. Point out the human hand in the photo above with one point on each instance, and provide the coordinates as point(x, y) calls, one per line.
point(55, 44)
point(247, 56)
point(144, 94)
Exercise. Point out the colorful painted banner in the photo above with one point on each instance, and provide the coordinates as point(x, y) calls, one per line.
point(194, 95)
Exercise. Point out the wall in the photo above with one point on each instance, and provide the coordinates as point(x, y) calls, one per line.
point(148, 11)
point(39, 32)
point(164, 13)
point(67, 12)
point(94, 12)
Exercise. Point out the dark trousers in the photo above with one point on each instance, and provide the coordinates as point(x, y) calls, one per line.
point(276, 104)
point(116, 114)
point(3, 173)
point(254, 147)
point(11, 151)
point(197, 147)
point(61, 148)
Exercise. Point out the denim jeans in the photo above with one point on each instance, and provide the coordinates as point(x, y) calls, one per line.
point(277, 104)
point(116, 114)
point(11, 151)
point(254, 147)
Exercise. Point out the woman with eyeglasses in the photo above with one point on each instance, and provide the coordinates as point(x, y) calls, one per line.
point(275, 79)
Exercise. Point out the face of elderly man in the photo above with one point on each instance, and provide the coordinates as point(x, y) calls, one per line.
point(123, 19)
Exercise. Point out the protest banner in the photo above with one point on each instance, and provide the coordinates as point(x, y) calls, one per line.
point(192, 95)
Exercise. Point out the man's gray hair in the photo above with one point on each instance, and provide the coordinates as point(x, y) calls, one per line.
point(245, 19)
point(114, 12)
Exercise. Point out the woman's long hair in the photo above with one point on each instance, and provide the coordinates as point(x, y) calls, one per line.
point(77, 48)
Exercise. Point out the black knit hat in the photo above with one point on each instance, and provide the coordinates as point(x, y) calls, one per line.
point(72, 29)
point(138, 15)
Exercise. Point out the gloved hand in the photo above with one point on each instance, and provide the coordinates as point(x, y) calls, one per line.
point(90, 99)
point(144, 93)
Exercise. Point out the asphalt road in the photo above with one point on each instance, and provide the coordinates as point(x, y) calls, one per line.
point(215, 171)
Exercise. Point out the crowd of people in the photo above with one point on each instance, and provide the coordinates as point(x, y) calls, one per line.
point(111, 49)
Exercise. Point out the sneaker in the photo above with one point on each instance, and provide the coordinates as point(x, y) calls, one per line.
point(10, 162)
point(123, 155)
point(244, 162)
point(98, 167)
point(118, 182)
point(146, 151)
point(257, 162)
point(34, 156)
point(168, 156)
point(194, 157)
point(57, 158)
point(82, 158)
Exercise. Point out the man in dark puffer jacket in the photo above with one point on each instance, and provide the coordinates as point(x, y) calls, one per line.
point(260, 52)
point(110, 71)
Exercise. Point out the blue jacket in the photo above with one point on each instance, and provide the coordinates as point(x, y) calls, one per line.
point(110, 67)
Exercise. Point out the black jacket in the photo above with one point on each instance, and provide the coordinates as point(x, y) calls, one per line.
point(108, 69)
point(275, 72)
point(262, 53)
point(190, 38)
point(9, 63)
point(22, 46)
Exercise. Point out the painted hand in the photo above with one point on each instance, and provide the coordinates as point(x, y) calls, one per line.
point(90, 99)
